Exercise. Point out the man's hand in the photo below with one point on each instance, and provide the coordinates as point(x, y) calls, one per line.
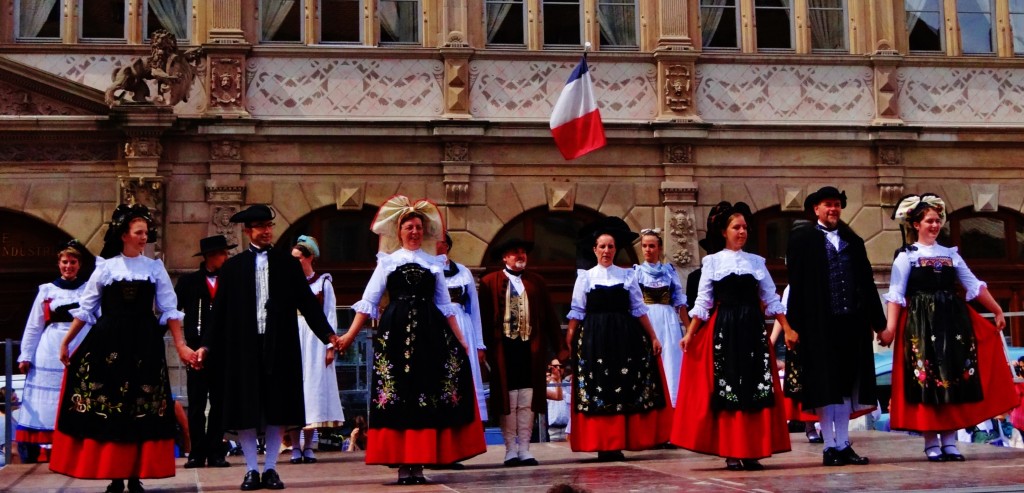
point(885, 337)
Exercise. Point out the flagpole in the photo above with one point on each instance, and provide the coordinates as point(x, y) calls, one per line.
point(586, 49)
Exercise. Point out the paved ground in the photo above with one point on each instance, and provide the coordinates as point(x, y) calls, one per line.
point(897, 464)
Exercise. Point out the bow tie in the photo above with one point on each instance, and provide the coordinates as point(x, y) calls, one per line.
point(256, 249)
point(514, 273)
point(830, 230)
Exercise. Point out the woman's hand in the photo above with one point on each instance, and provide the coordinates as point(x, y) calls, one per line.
point(1000, 321)
point(24, 366)
point(64, 353)
point(886, 336)
point(656, 346)
point(685, 341)
point(344, 341)
point(792, 339)
point(188, 356)
point(330, 355)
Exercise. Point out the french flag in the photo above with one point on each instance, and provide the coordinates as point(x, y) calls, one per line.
point(576, 121)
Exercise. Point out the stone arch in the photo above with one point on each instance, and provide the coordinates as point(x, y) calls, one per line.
point(28, 248)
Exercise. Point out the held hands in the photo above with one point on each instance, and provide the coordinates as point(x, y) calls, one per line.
point(886, 336)
point(188, 356)
point(200, 358)
point(342, 343)
point(792, 339)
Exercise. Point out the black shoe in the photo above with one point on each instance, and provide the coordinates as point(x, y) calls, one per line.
point(417, 480)
point(513, 462)
point(751, 465)
point(939, 457)
point(251, 481)
point(135, 486)
point(952, 457)
point(733, 466)
point(218, 462)
point(611, 456)
point(850, 457)
point(115, 486)
point(529, 462)
point(296, 460)
point(831, 457)
point(193, 463)
point(308, 460)
point(814, 437)
point(271, 480)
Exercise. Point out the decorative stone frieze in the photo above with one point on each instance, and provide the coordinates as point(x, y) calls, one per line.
point(679, 199)
point(143, 147)
point(678, 88)
point(16, 101)
point(221, 194)
point(676, 82)
point(226, 77)
point(683, 233)
point(58, 151)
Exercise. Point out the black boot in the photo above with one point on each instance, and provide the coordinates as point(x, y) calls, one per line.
point(115, 486)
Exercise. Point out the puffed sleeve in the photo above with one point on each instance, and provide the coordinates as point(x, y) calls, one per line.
point(972, 285)
point(474, 314)
point(636, 297)
point(33, 328)
point(678, 296)
point(374, 291)
point(578, 305)
point(330, 302)
point(441, 297)
point(89, 303)
point(772, 304)
point(166, 298)
point(898, 280)
point(705, 296)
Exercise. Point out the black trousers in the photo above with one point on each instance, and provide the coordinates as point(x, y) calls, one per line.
point(207, 436)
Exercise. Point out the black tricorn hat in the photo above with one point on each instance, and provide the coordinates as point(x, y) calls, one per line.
point(255, 212)
point(498, 252)
point(823, 193)
point(213, 244)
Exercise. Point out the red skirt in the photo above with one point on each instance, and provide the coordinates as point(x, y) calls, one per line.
point(28, 435)
point(613, 432)
point(391, 446)
point(796, 412)
point(999, 395)
point(732, 434)
point(91, 459)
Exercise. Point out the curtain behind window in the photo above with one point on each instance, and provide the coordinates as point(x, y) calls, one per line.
point(274, 14)
point(828, 27)
point(399, 20)
point(173, 14)
point(33, 15)
point(710, 18)
point(618, 23)
point(496, 13)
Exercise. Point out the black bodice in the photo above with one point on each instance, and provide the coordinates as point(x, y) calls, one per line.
point(128, 298)
point(411, 283)
point(931, 280)
point(604, 299)
point(735, 289)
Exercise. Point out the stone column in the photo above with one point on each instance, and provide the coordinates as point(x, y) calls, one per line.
point(144, 125)
point(456, 57)
point(680, 200)
point(225, 190)
point(224, 18)
point(677, 61)
point(886, 62)
point(457, 168)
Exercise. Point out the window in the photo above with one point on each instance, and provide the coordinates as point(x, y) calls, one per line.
point(618, 23)
point(171, 15)
point(341, 21)
point(1017, 25)
point(828, 24)
point(774, 20)
point(975, 17)
point(924, 25)
point(505, 22)
point(719, 24)
point(399, 21)
point(103, 20)
point(562, 25)
point(38, 20)
point(281, 20)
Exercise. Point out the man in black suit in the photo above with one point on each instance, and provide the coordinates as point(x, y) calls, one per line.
point(254, 342)
point(196, 292)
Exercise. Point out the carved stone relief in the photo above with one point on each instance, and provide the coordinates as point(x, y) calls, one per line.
point(985, 197)
point(678, 87)
point(150, 192)
point(220, 223)
point(456, 40)
point(561, 196)
point(679, 154)
point(890, 194)
point(890, 155)
point(143, 147)
point(682, 231)
point(226, 150)
point(58, 151)
point(456, 151)
point(16, 101)
point(226, 82)
point(225, 194)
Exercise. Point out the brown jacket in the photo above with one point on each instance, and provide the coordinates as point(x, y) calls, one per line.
point(546, 337)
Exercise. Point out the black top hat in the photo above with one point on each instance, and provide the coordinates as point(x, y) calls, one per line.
point(822, 194)
point(498, 252)
point(255, 212)
point(212, 244)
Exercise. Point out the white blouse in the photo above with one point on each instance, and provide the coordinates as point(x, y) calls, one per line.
point(465, 279)
point(666, 276)
point(387, 263)
point(606, 276)
point(908, 259)
point(325, 284)
point(121, 268)
point(717, 266)
point(37, 319)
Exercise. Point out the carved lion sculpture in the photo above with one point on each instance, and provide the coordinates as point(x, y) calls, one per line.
point(173, 73)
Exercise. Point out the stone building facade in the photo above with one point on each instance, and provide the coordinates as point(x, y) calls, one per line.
point(326, 131)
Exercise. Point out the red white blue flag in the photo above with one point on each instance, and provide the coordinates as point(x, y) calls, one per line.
point(576, 121)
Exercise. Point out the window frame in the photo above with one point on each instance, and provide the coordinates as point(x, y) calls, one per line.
point(737, 15)
point(361, 39)
point(792, 28)
point(636, 24)
point(124, 28)
point(579, 15)
point(301, 5)
point(16, 26)
point(524, 20)
point(845, 8)
point(1014, 49)
point(942, 30)
point(993, 35)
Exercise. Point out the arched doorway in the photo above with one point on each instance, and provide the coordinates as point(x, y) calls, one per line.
point(554, 251)
point(769, 238)
point(992, 243)
point(28, 248)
